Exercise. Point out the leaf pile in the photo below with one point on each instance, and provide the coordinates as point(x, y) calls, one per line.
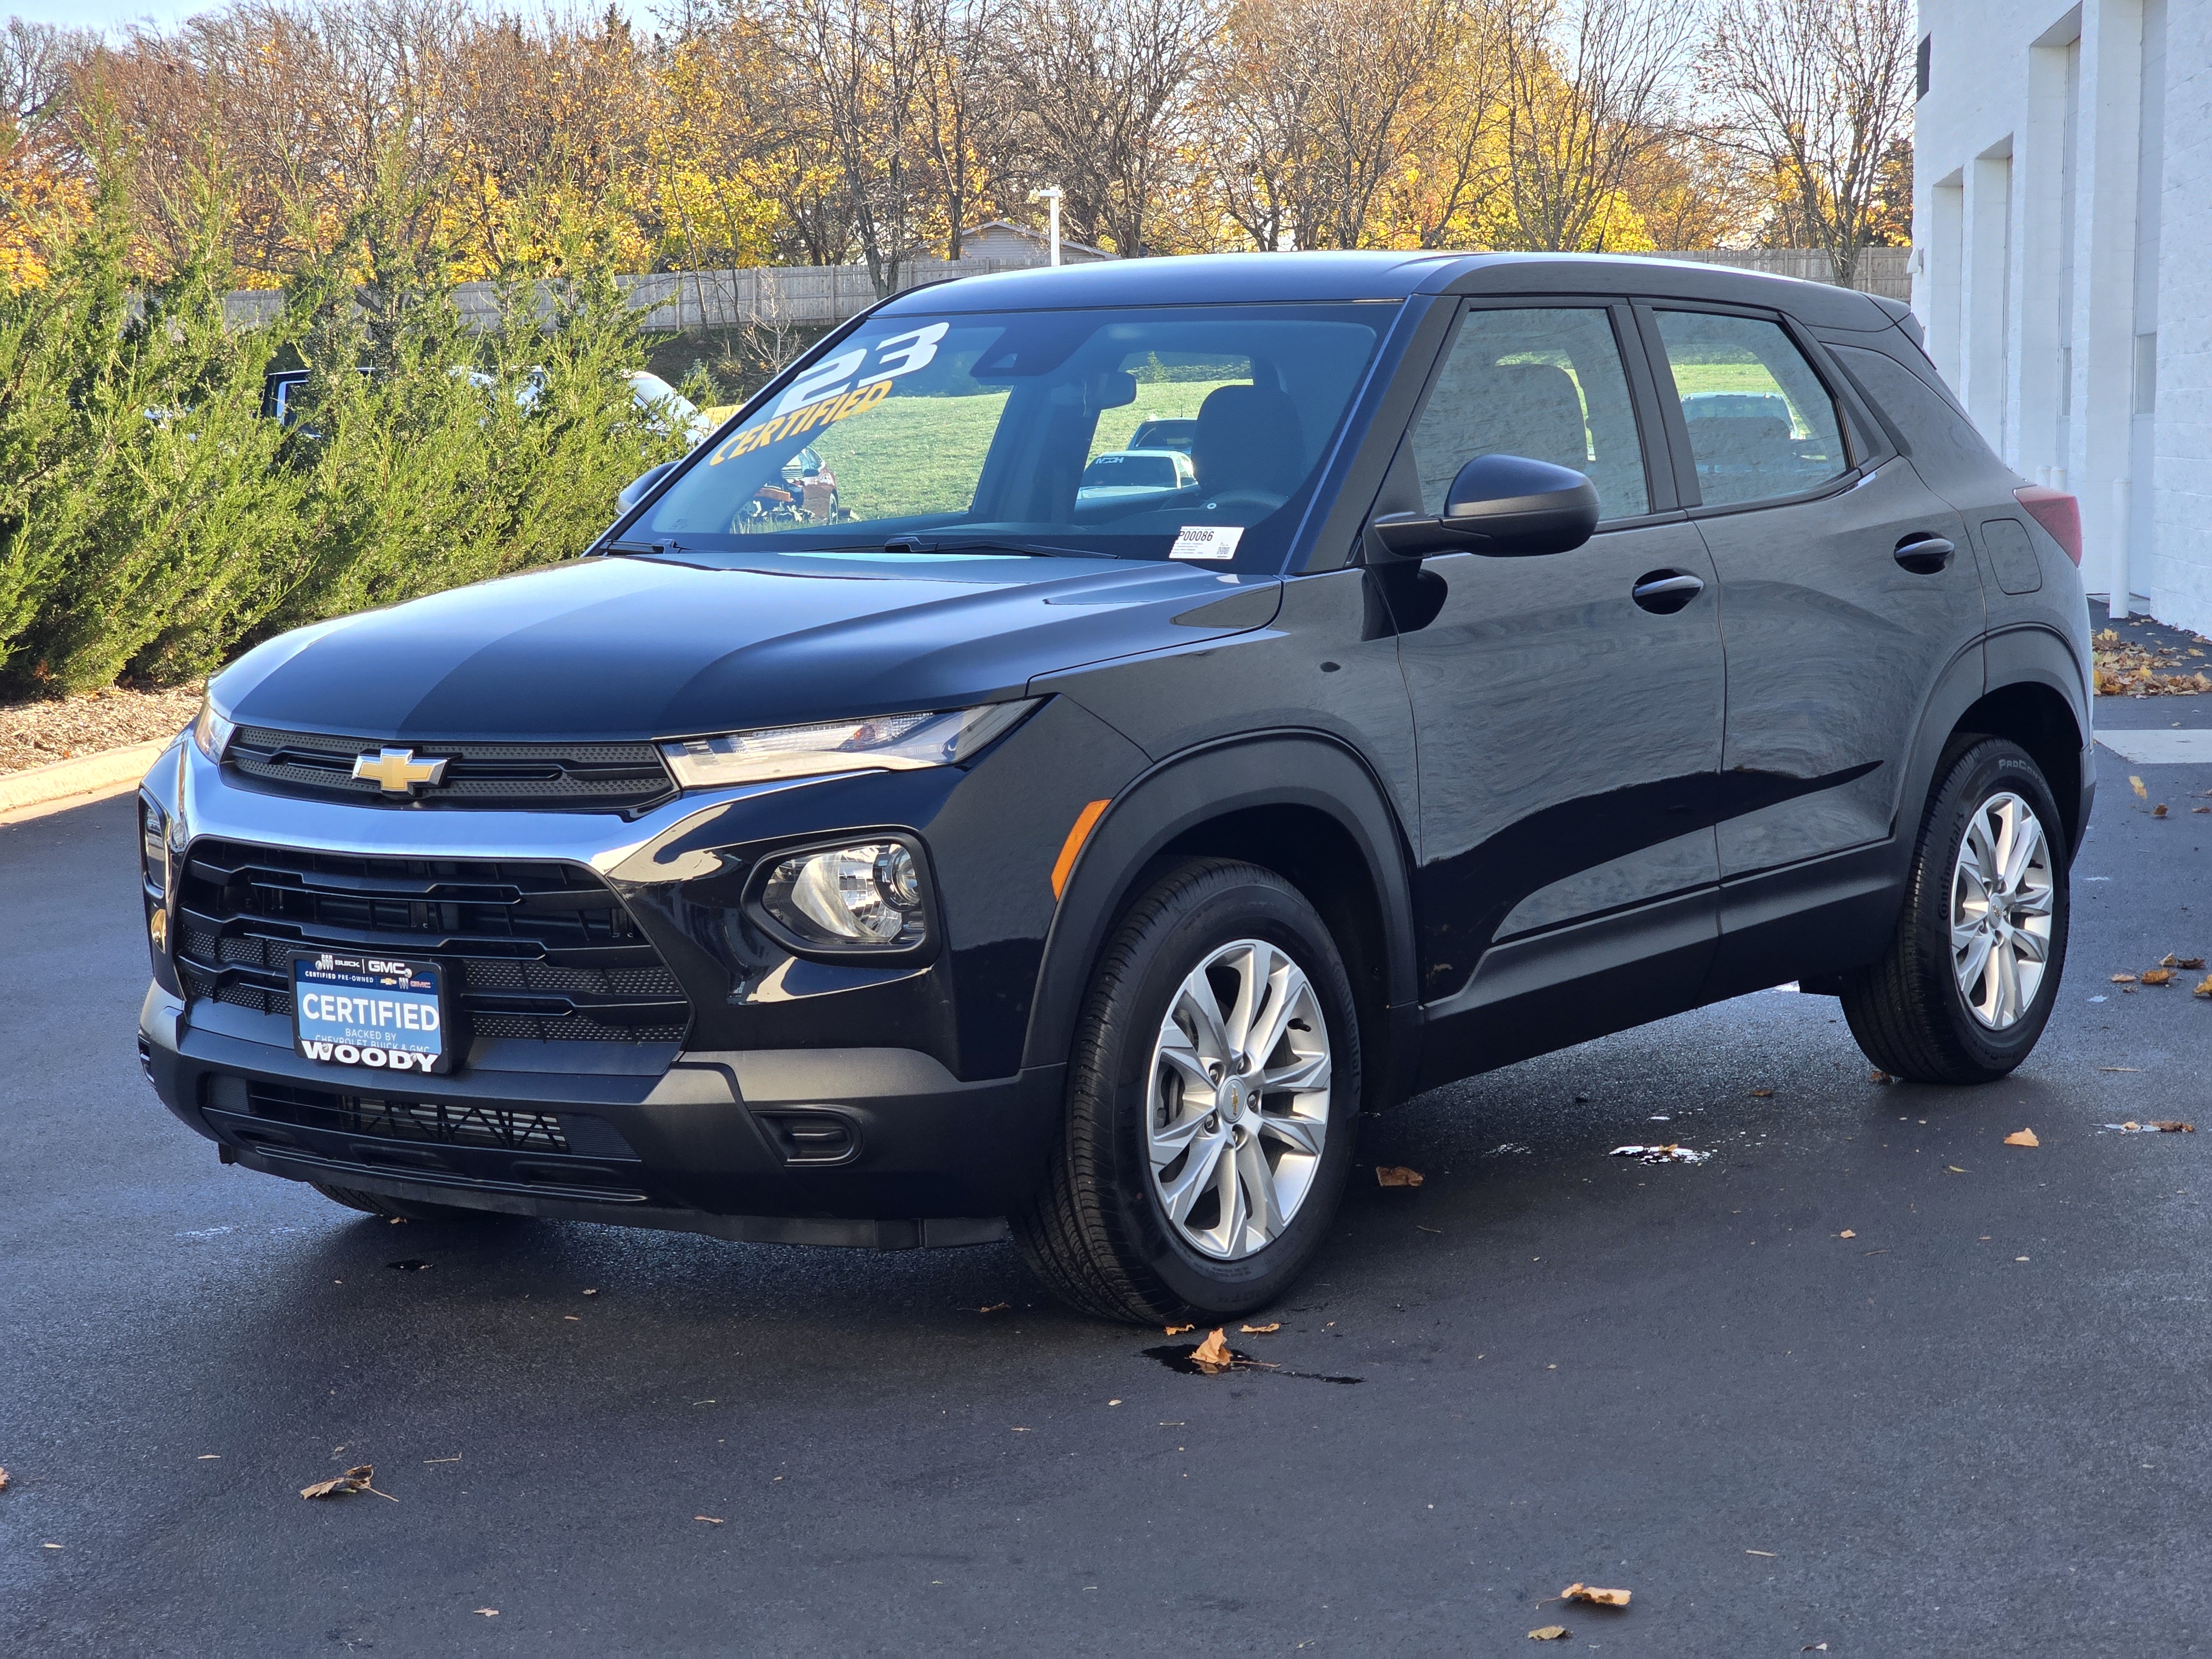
point(2128, 668)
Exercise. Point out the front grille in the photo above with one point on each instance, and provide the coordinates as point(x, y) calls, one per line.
point(596, 777)
point(534, 950)
point(408, 1120)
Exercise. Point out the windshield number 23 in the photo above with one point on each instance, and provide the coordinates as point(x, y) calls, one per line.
point(899, 354)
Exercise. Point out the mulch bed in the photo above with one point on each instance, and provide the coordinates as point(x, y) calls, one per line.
point(63, 728)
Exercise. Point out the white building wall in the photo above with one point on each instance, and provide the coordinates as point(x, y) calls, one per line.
point(2053, 224)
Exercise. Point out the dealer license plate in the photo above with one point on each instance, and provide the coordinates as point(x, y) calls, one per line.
point(377, 1013)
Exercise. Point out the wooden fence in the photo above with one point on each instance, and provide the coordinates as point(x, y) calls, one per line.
point(813, 296)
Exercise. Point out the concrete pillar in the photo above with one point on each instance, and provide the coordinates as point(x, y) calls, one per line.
point(2103, 276)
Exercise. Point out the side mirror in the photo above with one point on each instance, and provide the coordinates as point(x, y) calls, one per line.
point(1507, 507)
point(634, 491)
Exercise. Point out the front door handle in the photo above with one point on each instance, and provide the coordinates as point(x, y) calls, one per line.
point(1662, 592)
point(1924, 555)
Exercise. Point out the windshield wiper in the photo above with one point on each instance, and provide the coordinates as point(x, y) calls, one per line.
point(643, 547)
point(956, 545)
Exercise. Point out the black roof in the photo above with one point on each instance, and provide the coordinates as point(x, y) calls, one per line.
point(1227, 278)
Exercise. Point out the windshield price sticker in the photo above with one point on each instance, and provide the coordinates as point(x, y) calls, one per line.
point(1201, 541)
point(371, 1011)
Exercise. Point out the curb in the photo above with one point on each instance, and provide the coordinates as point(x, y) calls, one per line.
point(78, 782)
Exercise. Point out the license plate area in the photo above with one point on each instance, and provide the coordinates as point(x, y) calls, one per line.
point(371, 1013)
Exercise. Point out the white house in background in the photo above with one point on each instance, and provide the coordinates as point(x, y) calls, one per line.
point(2063, 230)
point(1003, 242)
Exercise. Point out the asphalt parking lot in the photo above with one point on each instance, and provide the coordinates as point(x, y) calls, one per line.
point(1976, 1425)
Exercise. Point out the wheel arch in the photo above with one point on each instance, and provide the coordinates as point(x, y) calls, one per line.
point(1303, 804)
point(2034, 697)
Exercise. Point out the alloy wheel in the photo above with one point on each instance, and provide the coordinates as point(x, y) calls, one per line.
point(2001, 887)
point(1237, 1099)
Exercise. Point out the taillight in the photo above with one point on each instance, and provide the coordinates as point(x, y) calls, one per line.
point(2057, 513)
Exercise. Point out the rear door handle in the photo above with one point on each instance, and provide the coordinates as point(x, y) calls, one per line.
point(1923, 555)
point(1665, 591)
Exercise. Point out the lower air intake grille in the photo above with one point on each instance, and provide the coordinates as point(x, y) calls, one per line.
point(537, 950)
point(409, 1120)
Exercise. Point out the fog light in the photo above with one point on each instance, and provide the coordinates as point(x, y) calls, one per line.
point(866, 897)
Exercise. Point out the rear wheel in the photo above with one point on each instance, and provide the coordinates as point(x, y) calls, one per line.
point(407, 1209)
point(1967, 984)
point(1210, 1104)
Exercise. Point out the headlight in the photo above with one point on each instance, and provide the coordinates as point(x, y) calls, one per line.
point(866, 897)
point(154, 845)
point(211, 731)
point(894, 742)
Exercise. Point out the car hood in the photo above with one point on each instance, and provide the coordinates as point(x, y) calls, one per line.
point(631, 647)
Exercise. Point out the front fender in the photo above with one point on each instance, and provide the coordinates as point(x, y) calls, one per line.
point(1174, 802)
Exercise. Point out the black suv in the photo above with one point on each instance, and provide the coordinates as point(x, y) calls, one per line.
point(1545, 645)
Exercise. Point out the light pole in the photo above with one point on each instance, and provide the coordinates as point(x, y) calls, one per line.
point(1050, 196)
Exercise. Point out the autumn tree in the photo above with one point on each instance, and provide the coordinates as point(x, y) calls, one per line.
point(1819, 92)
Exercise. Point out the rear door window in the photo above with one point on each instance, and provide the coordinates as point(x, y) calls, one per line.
point(1761, 423)
point(1546, 382)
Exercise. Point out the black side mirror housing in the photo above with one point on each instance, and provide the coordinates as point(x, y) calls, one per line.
point(633, 492)
point(1506, 507)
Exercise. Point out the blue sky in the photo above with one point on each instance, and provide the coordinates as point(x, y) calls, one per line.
point(99, 14)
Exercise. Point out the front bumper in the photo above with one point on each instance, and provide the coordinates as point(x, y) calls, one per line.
point(706, 1147)
point(806, 1102)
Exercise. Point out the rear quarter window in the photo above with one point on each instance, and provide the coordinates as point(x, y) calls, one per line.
point(1943, 441)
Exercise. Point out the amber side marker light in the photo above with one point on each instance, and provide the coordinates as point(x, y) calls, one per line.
point(2057, 512)
point(1078, 833)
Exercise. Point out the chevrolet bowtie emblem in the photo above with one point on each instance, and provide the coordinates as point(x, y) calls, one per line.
point(397, 772)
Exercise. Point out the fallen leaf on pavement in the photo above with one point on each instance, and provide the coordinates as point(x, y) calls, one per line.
point(354, 1480)
point(1762, 1094)
point(4, 1480)
point(1177, 1330)
point(2204, 987)
point(1954, 1169)
point(2137, 784)
point(1549, 1633)
point(2173, 1126)
point(2123, 979)
point(2022, 1138)
point(996, 1307)
point(1212, 1356)
point(1396, 1174)
point(2157, 975)
point(1847, 1233)
point(1595, 1596)
point(711, 1519)
point(1879, 1077)
point(1670, 1153)
point(489, 1613)
point(1260, 1330)
point(2159, 811)
point(2170, 960)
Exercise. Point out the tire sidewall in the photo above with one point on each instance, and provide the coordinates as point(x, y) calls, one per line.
point(1249, 905)
point(1989, 769)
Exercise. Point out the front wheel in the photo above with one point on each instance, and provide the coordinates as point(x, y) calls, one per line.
point(1210, 1104)
point(1967, 984)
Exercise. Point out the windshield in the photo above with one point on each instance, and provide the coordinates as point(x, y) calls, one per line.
point(1017, 430)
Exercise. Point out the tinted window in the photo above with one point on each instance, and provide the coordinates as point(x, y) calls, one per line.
point(1761, 423)
point(1544, 383)
point(994, 428)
